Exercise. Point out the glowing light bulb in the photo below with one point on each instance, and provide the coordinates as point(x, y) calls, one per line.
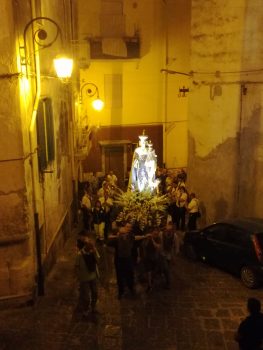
point(98, 104)
point(63, 67)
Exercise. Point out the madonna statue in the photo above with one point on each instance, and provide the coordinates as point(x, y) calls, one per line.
point(144, 163)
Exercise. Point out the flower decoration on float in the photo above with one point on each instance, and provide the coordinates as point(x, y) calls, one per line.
point(144, 210)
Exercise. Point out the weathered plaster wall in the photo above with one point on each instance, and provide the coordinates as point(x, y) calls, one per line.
point(23, 190)
point(12, 186)
point(225, 157)
point(250, 182)
point(16, 268)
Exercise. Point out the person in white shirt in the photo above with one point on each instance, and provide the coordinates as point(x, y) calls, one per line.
point(104, 189)
point(112, 178)
point(193, 210)
point(181, 203)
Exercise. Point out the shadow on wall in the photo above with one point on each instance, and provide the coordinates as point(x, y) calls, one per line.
point(203, 219)
point(221, 208)
point(205, 176)
point(249, 172)
point(221, 212)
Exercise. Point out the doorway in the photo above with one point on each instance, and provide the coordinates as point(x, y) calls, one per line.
point(114, 162)
point(114, 156)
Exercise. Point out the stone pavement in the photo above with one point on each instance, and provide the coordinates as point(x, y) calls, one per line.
point(201, 311)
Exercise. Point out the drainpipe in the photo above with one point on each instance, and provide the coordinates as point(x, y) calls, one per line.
point(242, 92)
point(165, 89)
point(40, 274)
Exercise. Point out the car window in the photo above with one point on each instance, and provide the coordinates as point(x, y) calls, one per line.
point(237, 236)
point(216, 232)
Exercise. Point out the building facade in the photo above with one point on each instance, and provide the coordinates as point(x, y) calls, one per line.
point(199, 75)
point(189, 72)
point(35, 144)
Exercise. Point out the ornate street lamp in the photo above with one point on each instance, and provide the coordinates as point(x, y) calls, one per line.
point(92, 90)
point(43, 39)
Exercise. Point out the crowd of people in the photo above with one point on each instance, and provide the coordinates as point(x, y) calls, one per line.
point(99, 211)
point(183, 205)
point(97, 204)
point(143, 259)
point(157, 251)
point(138, 259)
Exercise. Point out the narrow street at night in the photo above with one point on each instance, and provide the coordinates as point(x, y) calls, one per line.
point(201, 311)
point(124, 123)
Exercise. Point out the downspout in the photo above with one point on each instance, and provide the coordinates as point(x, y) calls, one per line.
point(34, 160)
point(237, 206)
point(165, 90)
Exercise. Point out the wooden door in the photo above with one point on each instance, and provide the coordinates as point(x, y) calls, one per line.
point(114, 160)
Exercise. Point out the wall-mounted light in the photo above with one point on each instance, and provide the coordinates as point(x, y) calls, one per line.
point(63, 66)
point(92, 90)
point(43, 39)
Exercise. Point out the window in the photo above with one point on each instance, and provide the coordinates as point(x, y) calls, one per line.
point(45, 134)
point(237, 237)
point(216, 232)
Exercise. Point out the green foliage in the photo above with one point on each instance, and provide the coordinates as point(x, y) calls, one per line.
point(143, 209)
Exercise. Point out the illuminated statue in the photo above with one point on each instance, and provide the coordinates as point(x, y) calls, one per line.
point(143, 168)
point(151, 163)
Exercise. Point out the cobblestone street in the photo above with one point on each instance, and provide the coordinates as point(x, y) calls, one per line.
point(201, 311)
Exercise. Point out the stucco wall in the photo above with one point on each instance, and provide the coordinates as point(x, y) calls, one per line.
point(250, 182)
point(16, 268)
point(225, 107)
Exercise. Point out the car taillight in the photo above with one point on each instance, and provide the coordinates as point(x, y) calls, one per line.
point(257, 247)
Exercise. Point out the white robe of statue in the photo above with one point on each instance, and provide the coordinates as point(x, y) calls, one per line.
point(143, 168)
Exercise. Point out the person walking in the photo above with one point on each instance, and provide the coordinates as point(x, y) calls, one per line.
point(87, 274)
point(124, 244)
point(123, 260)
point(86, 210)
point(250, 331)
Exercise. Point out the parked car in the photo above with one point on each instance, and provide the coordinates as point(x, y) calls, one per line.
point(234, 245)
